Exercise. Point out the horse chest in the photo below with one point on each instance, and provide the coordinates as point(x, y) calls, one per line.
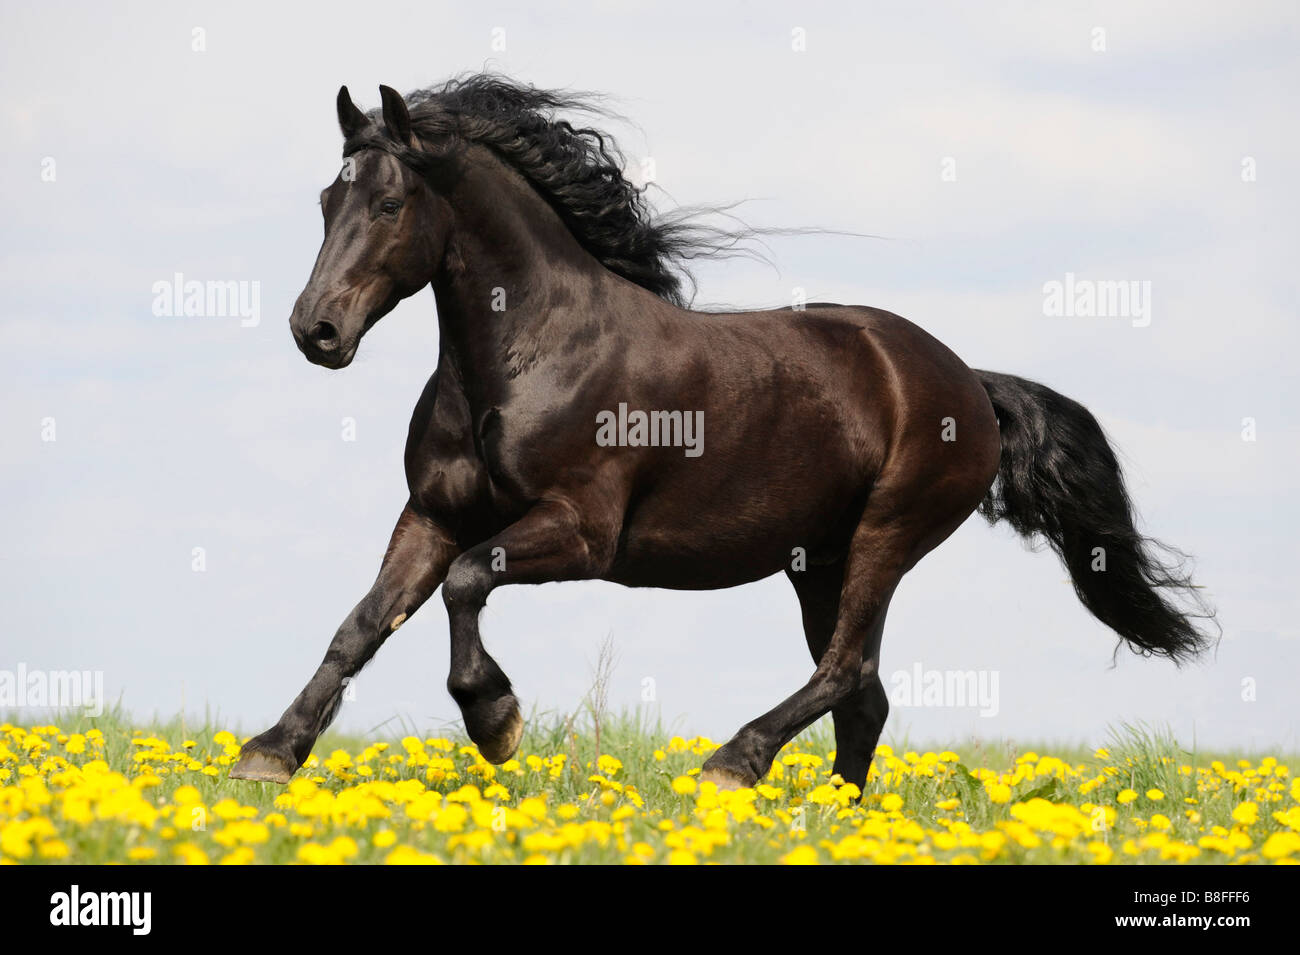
point(458, 465)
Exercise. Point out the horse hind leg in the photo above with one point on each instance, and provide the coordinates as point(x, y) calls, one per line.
point(908, 514)
point(860, 719)
point(859, 722)
point(882, 549)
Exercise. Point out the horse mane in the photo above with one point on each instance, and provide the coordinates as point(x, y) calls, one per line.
point(578, 170)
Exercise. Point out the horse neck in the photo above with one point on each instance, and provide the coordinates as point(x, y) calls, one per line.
point(512, 273)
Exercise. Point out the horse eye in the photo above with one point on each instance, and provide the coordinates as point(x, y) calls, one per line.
point(389, 206)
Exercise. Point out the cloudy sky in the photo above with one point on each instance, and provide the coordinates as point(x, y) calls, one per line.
point(994, 148)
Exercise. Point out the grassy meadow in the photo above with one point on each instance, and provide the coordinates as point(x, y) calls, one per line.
point(621, 790)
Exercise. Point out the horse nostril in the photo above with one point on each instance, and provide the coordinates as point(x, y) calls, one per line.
point(324, 336)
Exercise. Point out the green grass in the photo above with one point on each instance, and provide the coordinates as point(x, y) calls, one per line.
point(1141, 758)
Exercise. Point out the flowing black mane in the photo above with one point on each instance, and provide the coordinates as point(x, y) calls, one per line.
point(578, 170)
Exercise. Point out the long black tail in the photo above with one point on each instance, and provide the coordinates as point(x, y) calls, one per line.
point(1058, 478)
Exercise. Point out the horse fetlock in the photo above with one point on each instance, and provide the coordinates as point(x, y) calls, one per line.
point(852, 769)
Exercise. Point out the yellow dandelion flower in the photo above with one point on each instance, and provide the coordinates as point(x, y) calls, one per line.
point(998, 792)
point(190, 854)
point(1281, 845)
point(802, 855)
point(1247, 813)
point(406, 855)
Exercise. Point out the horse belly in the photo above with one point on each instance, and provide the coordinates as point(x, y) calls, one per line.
point(730, 535)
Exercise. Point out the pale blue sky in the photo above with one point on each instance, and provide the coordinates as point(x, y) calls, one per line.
point(177, 433)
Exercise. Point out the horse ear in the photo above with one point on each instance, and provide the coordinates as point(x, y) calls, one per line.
point(396, 117)
point(351, 119)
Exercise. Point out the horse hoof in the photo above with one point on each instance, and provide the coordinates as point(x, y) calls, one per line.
point(505, 743)
point(725, 779)
point(261, 767)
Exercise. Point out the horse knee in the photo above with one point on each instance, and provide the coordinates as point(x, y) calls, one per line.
point(468, 583)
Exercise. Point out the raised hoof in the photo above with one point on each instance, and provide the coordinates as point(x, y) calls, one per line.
point(262, 767)
point(725, 779)
point(502, 746)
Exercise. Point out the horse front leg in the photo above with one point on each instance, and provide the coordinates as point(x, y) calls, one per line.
point(414, 565)
point(548, 543)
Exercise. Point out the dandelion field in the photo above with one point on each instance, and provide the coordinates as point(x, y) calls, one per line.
point(102, 790)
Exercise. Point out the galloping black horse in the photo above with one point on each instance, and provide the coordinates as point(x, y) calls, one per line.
point(583, 424)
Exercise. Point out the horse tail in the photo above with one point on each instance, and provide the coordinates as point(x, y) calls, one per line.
point(1058, 479)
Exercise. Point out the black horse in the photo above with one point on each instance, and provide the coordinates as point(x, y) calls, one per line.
point(583, 424)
